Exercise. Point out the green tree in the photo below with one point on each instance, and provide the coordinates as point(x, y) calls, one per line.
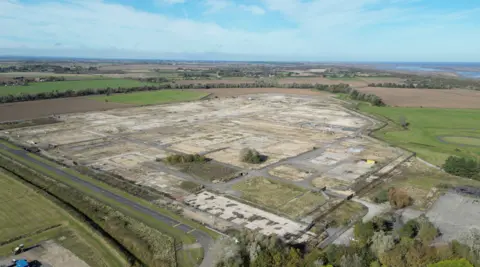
point(452, 263)
point(363, 232)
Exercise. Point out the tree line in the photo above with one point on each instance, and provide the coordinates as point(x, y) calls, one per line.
point(336, 88)
point(424, 85)
point(383, 241)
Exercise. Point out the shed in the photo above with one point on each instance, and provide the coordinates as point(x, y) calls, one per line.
point(21, 263)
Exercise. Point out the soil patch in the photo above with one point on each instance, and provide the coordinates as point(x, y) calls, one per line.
point(44, 108)
point(435, 98)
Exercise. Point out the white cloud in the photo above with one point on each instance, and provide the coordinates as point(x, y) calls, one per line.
point(322, 30)
point(170, 2)
point(214, 6)
point(256, 10)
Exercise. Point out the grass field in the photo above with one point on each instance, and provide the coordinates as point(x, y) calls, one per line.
point(288, 199)
point(42, 87)
point(345, 213)
point(152, 97)
point(208, 171)
point(177, 234)
point(426, 128)
point(26, 215)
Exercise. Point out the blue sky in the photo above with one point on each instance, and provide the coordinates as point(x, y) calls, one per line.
point(314, 30)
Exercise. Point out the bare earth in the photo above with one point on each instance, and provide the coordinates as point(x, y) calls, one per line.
point(44, 108)
point(226, 81)
point(434, 98)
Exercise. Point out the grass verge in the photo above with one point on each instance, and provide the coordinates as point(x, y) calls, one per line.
point(27, 217)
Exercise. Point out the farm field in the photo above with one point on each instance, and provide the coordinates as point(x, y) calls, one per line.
point(67, 76)
point(427, 127)
point(29, 218)
point(286, 198)
point(352, 81)
point(43, 87)
point(43, 108)
point(152, 97)
point(432, 98)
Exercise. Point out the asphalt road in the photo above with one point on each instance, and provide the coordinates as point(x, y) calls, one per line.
point(203, 238)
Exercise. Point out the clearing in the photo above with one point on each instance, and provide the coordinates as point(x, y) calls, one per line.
point(152, 97)
point(43, 87)
point(426, 125)
point(28, 218)
point(286, 198)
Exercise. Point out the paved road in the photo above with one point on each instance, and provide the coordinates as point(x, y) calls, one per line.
point(203, 238)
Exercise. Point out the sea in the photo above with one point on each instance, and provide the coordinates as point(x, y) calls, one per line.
point(457, 68)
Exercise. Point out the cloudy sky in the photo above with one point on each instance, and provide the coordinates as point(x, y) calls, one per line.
point(316, 30)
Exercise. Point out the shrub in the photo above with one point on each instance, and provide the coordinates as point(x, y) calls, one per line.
point(381, 197)
point(399, 198)
point(188, 158)
point(465, 167)
point(251, 155)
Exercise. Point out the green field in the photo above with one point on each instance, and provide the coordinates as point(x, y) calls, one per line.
point(178, 235)
point(277, 196)
point(28, 216)
point(427, 128)
point(42, 87)
point(152, 97)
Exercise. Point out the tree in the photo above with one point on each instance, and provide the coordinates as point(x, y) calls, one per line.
point(399, 198)
point(403, 122)
point(452, 263)
point(363, 232)
point(382, 242)
point(465, 167)
point(251, 155)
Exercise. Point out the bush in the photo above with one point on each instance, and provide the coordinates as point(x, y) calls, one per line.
point(381, 197)
point(188, 158)
point(465, 167)
point(251, 155)
point(399, 198)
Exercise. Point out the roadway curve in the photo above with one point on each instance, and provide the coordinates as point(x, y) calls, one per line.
point(203, 238)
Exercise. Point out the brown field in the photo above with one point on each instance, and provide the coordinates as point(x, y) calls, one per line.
point(433, 98)
point(225, 92)
point(226, 81)
point(43, 108)
point(320, 80)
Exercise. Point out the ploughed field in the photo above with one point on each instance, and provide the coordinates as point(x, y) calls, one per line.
point(434, 98)
point(44, 108)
